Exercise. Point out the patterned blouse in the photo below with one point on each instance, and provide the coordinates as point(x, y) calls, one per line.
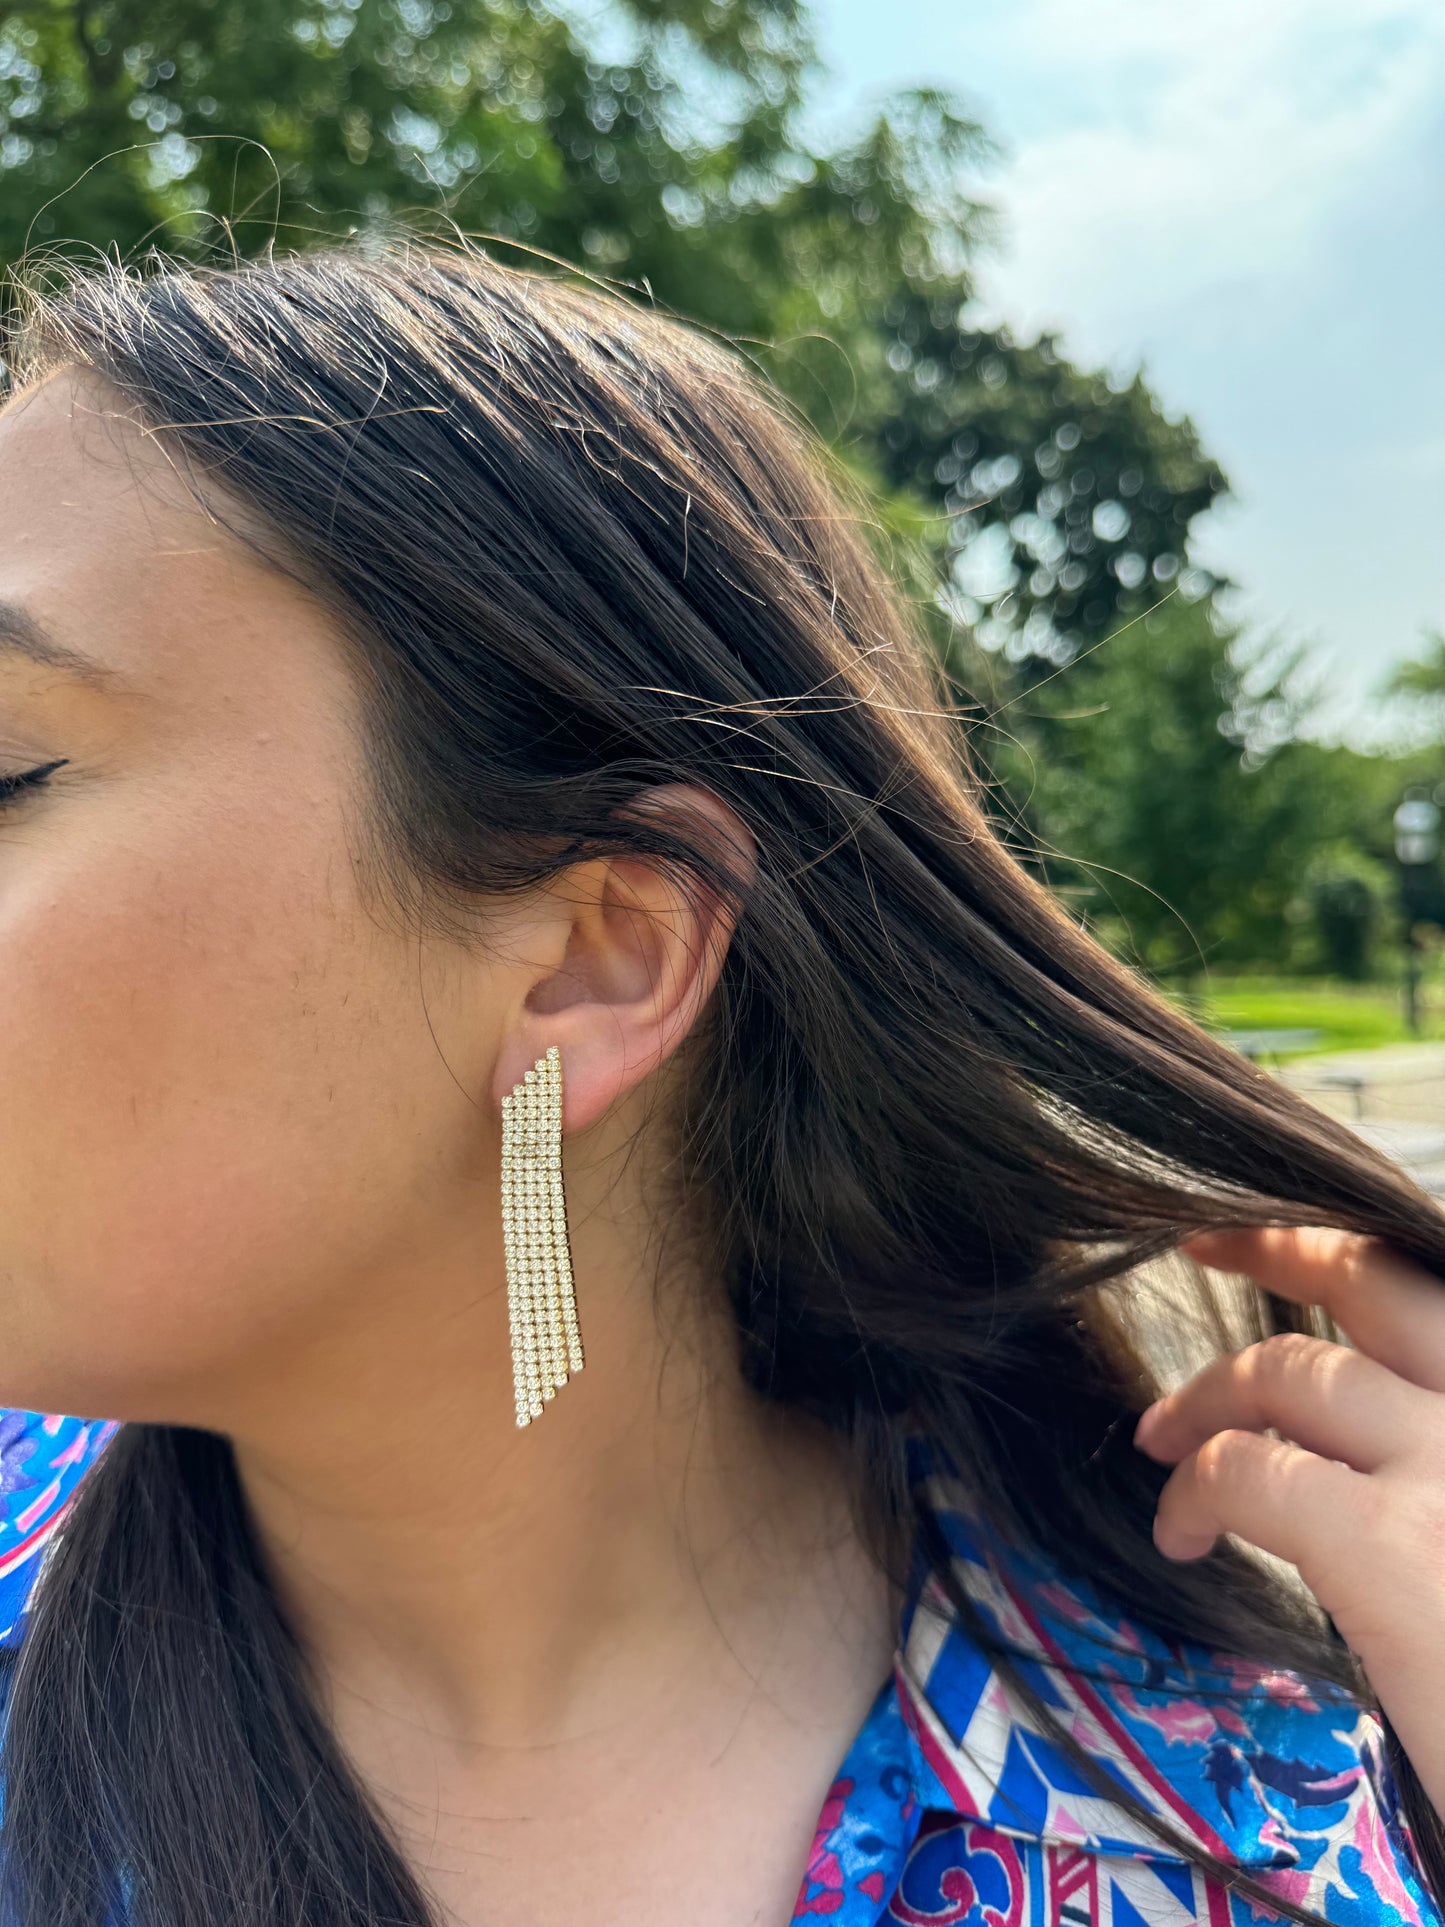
point(952, 1807)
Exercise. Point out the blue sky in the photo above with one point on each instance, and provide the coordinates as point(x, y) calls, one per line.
point(1248, 197)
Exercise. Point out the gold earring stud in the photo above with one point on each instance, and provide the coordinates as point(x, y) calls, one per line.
point(541, 1304)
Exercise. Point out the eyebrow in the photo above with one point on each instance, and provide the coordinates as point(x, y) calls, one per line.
point(22, 635)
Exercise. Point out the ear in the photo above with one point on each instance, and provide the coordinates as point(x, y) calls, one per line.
point(642, 949)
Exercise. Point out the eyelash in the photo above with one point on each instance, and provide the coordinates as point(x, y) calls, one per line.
point(13, 786)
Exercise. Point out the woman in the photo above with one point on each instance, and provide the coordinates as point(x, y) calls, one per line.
point(584, 1182)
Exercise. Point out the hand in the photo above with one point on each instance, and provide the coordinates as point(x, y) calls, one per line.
point(1353, 1494)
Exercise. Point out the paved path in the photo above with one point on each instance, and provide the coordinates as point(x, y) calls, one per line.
point(1394, 1097)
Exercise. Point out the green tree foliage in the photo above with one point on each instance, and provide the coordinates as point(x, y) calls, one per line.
point(1422, 675)
point(662, 147)
point(1346, 911)
point(1079, 494)
point(1178, 810)
point(1415, 692)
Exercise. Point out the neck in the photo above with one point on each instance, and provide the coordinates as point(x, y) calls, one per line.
point(512, 1586)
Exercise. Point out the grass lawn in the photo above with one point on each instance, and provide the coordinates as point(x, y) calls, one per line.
point(1348, 1016)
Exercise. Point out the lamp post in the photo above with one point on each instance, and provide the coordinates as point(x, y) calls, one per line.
point(1417, 846)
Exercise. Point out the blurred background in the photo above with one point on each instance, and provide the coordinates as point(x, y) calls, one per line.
point(1129, 316)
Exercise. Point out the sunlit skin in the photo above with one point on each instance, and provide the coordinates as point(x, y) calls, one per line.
point(249, 1150)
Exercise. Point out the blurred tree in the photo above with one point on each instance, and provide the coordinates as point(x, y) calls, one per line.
point(1346, 911)
point(1357, 841)
point(1177, 810)
point(1414, 691)
point(1422, 675)
point(1070, 498)
point(660, 145)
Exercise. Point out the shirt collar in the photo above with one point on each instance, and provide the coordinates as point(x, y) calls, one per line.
point(1240, 1762)
point(1189, 1734)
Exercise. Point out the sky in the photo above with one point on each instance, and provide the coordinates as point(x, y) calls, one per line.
point(1247, 197)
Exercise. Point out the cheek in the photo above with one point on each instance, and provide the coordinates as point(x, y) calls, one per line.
point(218, 1078)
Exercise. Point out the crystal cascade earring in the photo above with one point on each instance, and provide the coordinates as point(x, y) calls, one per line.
point(541, 1307)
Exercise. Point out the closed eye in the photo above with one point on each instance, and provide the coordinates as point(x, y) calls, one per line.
point(12, 786)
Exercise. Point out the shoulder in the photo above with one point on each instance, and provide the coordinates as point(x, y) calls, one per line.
point(1252, 1767)
point(43, 1457)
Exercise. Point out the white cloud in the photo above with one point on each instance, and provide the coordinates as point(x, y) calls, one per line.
point(1197, 154)
point(1249, 197)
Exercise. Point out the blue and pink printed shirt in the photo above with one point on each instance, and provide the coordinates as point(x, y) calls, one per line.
point(952, 1809)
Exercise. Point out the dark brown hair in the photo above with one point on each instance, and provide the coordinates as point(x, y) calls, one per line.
point(575, 549)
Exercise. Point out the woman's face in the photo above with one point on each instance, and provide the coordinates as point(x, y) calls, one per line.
point(235, 1108)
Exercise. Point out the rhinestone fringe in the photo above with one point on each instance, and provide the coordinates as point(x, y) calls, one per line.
point(541, 1306)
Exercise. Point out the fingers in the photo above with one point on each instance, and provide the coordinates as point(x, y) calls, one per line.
point(1281, 1498)
point(1391, 1309)
point(1324, 1397)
